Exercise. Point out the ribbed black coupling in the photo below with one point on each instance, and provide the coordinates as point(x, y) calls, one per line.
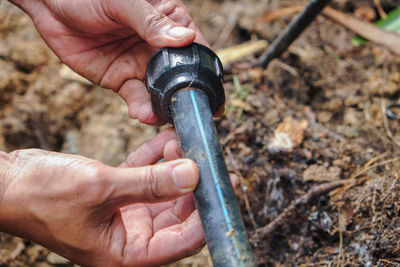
point(174, 69)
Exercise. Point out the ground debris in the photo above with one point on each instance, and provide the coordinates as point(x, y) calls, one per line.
point(333, 199)
point(320, 173)
point(288, 135)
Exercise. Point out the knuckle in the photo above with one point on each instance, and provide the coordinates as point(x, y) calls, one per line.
point(182, 16)
point(152, 184)
point(91, 188)
point(14, 156)
point(183, 9)
point(186, 19)
point(94, 171)
point(154, 20)
point(21, 154)
point(20, 161)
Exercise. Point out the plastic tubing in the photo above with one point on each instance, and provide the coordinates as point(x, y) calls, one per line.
point(215, 199)
point(292, 31)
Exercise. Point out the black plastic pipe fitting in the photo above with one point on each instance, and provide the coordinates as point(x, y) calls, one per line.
point(292, 31)
point(186, 89)
point(174, 69)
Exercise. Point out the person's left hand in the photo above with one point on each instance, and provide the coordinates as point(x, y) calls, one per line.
point(110, 42)
point(97, 215)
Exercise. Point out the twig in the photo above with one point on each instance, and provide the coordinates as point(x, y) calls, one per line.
point(375, 159)
point(276, 14)
point(319, 264)
point(290, 69)
point(381, 12)
point(227, 30)
point(340, 257)
point(364, 170)
point(365, 29)
point(391, 188)
point(238, 52)
point(312, 193)
point(247, 204)
point(353, 177)
point(389, 262)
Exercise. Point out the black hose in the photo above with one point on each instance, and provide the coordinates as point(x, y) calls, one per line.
point(222, 223)
point(292, 31)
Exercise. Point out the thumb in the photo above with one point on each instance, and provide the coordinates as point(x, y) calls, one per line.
point(153, 26)
point(160, 182)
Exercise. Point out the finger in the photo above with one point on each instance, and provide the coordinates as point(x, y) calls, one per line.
point(172, 150)
point(153, 26)
point(178, 213)
point(177, 241)
point(168, 245)
point(128, 60)
point(160, 182)
point(152, 151)
point(157, 208)
point(138, 226)
point(135, 94)
point(179, 13)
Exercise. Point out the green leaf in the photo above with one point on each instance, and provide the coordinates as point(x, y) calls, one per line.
point(391, 24)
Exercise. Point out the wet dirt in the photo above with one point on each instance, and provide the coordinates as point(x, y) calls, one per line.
point(341, 91)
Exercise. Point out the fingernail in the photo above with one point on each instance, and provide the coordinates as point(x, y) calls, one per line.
point(184, 177)
point(178, 32)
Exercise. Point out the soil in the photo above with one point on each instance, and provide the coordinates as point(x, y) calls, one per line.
point(317, 157)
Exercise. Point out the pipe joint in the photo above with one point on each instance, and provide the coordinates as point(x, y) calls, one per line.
point(173, 69)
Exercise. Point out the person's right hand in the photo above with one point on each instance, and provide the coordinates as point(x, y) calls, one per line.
point(96, 215)
point(110, 42)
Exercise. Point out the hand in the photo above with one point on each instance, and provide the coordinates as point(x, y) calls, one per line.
point(111, 41)
point(96, 215)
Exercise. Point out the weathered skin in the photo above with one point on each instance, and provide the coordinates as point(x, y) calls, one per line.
point(96, 215)
point(110, 42)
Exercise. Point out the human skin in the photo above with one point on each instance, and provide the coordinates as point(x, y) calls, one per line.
point(93, 214)
point(110, 42)
point(97, 215)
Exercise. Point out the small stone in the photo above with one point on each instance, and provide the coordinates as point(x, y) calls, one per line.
point(54, 258)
